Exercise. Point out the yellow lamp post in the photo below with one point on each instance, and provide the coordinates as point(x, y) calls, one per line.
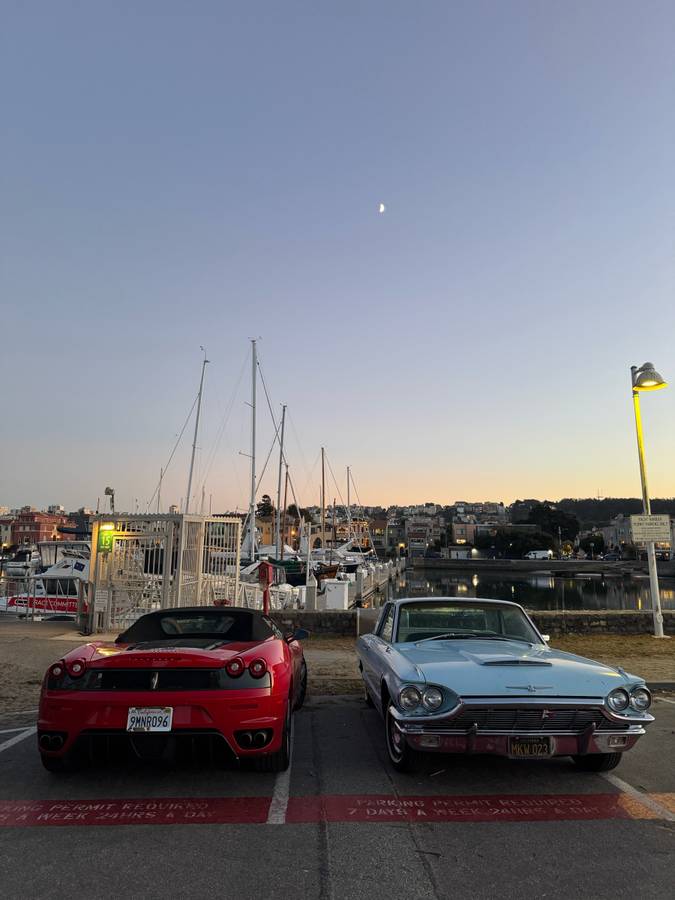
point(646, 378)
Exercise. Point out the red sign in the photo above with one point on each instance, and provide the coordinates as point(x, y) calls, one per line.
point(43, 604)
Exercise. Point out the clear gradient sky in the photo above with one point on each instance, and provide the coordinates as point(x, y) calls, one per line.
point(183, 173)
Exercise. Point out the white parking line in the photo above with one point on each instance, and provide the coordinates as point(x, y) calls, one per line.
point(18, 737)
point(276, 814)
point(12, 730)
point(661, 811)
point(665, 700)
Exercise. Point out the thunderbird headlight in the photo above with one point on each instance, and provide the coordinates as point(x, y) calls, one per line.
point(640, 699)
point(618, 700)
point(432, 698)
point(409, 698)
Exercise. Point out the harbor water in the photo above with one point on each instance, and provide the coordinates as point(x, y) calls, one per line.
point(592, 592)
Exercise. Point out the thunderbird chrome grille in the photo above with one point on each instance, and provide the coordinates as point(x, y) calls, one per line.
point(524, 720)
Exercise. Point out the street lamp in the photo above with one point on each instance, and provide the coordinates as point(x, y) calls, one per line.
point(646, 378)
point(110, 492)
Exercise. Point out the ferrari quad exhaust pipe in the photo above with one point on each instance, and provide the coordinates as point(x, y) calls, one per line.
point(260, 739)
point(51, 742)
point(246, 739)
point(57, 742)
point(46, 742)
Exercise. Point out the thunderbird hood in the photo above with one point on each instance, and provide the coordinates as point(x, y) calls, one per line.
point(484, 668)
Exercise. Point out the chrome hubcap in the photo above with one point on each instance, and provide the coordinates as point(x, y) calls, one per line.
point(395, 738)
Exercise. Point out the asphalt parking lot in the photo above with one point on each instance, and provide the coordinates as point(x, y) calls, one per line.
point(341, 823)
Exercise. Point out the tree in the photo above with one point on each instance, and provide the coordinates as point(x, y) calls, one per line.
point(598, 542)
point(513, 544)
point(265, 507)
point(293, 512)
point(554, 521)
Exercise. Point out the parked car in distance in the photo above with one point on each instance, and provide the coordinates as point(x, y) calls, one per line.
point(611, 557)
point(462, 675)
point(539, 554)
point(189, 681)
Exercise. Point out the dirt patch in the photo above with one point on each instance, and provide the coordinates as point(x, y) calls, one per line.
point(332, 665)
point(23, 663)
point(651, 658)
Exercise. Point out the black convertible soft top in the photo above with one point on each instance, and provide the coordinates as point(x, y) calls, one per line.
point(225, 624)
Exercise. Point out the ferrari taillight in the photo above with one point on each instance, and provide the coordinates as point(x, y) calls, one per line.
point(77, 668)
point(57, 670)
point(257, 668)
point(235, 667)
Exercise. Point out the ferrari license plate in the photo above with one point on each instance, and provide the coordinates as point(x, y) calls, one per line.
point(149, 718)
point(530, 747)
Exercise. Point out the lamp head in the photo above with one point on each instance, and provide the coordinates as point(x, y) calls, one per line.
point(646, 378)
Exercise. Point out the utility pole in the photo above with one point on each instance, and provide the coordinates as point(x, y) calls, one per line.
point(194, 442)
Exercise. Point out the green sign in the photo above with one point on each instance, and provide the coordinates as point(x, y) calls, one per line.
point(106, 535)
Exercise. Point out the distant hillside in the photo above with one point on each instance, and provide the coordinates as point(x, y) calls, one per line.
point(594, 513)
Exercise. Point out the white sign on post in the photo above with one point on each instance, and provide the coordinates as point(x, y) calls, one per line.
point(650, 528)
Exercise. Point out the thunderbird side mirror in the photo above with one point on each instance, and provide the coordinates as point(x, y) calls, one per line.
point(546, 637)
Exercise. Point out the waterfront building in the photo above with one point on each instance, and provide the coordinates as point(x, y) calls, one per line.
point(486, 512)
point(463, 532)
point(6, 531)
point(421, 532)
point(618, 533)
point(31, 526)
point(456, 551)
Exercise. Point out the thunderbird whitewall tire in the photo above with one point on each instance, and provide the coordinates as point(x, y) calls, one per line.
point(400, 754)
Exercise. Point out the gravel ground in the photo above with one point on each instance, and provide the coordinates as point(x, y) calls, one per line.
point(27, 649)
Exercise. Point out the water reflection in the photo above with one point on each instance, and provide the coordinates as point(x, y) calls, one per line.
point(538, 591)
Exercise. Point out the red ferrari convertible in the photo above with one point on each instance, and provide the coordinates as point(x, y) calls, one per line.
point(199, 681)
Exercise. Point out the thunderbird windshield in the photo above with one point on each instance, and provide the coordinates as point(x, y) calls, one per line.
point(450, 621)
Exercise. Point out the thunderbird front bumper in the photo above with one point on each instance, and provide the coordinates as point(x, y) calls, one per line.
point(493, 727)
point(502, 744)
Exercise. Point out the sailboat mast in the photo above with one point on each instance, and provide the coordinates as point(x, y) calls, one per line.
point(251, 508)
point(277, 536)
point(323, 501)
point(285, 502)
point(194, 442)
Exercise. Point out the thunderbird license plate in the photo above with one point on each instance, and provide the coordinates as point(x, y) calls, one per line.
point(529, 747)
point(149, 718)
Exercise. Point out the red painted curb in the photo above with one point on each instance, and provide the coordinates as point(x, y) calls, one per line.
point(301, 810)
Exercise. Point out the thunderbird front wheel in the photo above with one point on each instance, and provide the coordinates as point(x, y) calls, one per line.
point(401, 756)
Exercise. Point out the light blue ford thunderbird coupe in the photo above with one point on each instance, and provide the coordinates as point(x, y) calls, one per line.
point(455, 675)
